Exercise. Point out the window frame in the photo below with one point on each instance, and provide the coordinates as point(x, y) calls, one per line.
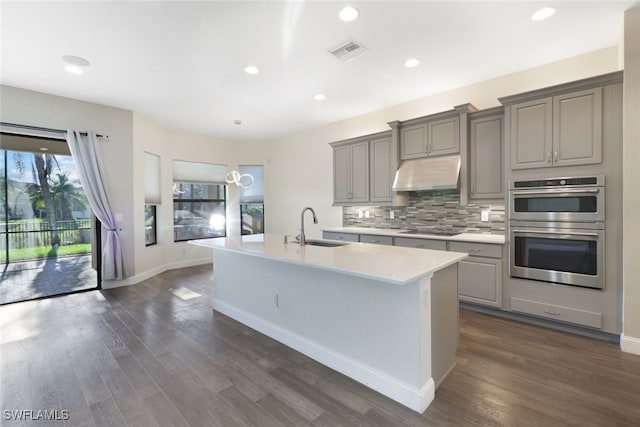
point(155, 224)
point(222, 201)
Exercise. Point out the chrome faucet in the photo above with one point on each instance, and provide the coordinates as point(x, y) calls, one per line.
point(303, 239)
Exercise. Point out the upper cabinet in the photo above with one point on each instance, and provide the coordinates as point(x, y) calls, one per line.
point(433, 135)
point(486, 175)
point(557, 126)
point(363, 170)
point(351, 173)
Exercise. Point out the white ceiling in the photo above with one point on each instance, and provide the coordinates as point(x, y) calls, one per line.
point(181, 63)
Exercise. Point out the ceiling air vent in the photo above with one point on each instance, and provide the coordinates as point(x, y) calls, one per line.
point(348, 51)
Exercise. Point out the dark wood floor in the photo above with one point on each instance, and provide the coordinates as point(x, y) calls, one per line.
point(156, 354)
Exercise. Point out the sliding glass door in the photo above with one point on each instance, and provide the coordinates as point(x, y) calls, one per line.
point(46, 225)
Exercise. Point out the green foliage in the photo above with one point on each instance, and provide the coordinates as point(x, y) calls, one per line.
point(45, 251)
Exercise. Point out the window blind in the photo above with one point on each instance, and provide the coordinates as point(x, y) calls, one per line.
point(254, 193)
point(198, 173)
point(152, 193)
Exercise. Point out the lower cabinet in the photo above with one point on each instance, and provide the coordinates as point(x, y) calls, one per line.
point(379, 240)
point(346, 237)
point(480, 281)
point(557, 312)
point(480, 275)
point(439, 245)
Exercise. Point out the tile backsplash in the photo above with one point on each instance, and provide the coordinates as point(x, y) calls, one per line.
point(429, 210)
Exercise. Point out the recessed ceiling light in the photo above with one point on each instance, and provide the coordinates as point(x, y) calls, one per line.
point(75, 64)
point(319, 97)
point(348, 14)
point(410, 63)
point(73, 69)
point(542, 14)
point(251, 69)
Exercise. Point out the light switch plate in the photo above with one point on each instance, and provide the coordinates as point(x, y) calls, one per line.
point(392, 214)
point(484, 215)
point(118, 217)
point(366, 214)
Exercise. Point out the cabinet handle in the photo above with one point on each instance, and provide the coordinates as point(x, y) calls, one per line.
point(417, 245)
point(350, 195)
point(555, 156)
point(549, 157)
point(474, 250)
point(554, 313)
point(375, 241)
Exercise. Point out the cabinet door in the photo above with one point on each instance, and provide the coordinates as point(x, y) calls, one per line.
point(341, 174)
point(443, 136)
point(346, 237)
point(359, 164)
point(480, 281)
point(382, 170)
point(413, 142)
point(577, 128)
point(378, 240)
point(486, 158)
point(439, 245)
point(531, 134)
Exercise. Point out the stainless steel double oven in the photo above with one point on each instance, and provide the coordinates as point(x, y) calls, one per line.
point(557, 230)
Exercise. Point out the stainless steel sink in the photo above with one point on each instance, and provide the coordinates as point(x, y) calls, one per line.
point(325, 243)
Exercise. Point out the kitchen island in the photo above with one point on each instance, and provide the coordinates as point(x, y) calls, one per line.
point(384, 316)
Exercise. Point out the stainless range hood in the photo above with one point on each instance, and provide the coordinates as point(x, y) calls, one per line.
point(429, 173)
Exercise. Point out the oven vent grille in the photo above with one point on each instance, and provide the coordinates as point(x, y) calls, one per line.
point(348, 51)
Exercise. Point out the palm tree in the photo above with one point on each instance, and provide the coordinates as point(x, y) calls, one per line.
point(67, 197)
point(44, 167)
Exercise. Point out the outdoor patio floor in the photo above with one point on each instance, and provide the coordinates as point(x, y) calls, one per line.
point(22, 281)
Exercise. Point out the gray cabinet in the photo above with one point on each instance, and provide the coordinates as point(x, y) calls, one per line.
point(485, 155)
point(410, 242)
point(577, 129)
point(363, 170)
point(382, 170)
point(430, 136)
point(378, 240)
point(351, 173)
point(561, 130)
point(443, 136)
point(345, 237)
point(480, 275)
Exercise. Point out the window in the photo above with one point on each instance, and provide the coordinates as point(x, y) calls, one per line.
point(199, 211)
point(150, 228)
point(199, 200)
point(252, 201)
point(151, 197)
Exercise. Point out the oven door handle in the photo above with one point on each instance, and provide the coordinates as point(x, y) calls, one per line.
point(558, 233)
point(555, 193)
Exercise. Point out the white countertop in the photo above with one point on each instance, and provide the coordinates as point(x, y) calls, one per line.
point(463, 237)
point(391, 264)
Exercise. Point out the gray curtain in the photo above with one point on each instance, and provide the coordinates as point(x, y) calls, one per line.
point(87, 156)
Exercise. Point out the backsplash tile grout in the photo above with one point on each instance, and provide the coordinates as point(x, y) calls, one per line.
point(427, 211)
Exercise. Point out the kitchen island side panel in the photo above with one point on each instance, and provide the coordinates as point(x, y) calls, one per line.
point(374, 332)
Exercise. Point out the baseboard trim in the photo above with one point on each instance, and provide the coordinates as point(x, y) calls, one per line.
point(409, 396)
point(133, 280)
point(630, 344)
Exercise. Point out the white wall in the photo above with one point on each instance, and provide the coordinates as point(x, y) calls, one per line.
point(301, 165)
point(176, 145)
point(39, 109)
point(630, 341)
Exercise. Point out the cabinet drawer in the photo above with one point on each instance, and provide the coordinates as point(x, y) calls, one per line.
point(380, 240)
point(557, 312)
point(347, 237)
point(440, 245)
point(477, 249)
